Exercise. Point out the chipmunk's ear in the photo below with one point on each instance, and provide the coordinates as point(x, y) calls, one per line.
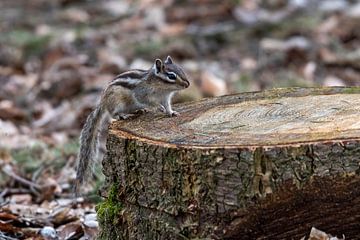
point(158, 66)
point(168, 60)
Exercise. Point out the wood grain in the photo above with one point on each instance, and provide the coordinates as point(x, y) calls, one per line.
point(261, 165)
point(254, 119)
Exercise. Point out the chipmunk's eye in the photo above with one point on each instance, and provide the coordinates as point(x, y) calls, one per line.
point(171, 75)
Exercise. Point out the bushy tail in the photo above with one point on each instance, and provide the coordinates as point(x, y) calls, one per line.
point(87, 156)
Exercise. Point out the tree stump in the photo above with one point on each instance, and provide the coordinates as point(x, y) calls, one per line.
point(262, 165)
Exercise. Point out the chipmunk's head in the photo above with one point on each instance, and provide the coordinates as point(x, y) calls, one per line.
point(170, 74)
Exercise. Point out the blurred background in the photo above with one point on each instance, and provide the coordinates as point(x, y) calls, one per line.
point(57, 55)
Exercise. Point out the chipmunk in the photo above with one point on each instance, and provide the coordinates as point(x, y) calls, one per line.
point(131, 92)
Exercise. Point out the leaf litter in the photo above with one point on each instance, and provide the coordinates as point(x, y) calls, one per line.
point(56, 56)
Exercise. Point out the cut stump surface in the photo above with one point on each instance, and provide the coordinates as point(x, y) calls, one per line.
point(267, 118)
point(246, 166)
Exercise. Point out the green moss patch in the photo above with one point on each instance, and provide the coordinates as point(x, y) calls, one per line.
point(108, 210)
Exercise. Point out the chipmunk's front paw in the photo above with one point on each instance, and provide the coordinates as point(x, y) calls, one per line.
point(141, 111)
point(124, 116)
point(162, 109)
point(173, 114)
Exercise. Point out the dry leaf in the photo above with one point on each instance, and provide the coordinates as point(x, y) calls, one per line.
point(212, 85)
point(72, 230)
point(21, 199)
point(63, 215)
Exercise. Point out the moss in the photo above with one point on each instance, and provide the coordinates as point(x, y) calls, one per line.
point(108, 214)
point(243, 83)
point(30, 159)
point(41, 154)
point(291, 80)
point(108, 210)
point(31, 43)
point(352, 90)
point(148, 48)
point(297, 25)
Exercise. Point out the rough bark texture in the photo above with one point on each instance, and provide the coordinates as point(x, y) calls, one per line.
point(265, 165)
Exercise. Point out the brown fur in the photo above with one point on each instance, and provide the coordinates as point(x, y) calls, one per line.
point(127, 93)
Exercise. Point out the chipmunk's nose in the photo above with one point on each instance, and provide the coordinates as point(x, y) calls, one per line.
point(186, 83)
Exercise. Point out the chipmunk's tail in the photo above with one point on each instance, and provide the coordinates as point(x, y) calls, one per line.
point(89, 146)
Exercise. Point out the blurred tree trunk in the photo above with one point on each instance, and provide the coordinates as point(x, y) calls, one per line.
point(264, 165)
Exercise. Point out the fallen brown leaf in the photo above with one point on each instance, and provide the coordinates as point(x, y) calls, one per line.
point(73, 230)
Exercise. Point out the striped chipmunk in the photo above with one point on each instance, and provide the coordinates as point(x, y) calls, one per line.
point(130, 93)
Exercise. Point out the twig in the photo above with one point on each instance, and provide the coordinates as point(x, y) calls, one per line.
point(3, 236)
point(4, 203)
point(10, 191)
point(7, 169)
point(3, 193)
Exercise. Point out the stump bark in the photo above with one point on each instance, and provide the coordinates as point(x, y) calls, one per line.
point(262, 165)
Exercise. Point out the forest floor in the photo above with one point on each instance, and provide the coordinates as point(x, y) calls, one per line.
point(56, 57)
